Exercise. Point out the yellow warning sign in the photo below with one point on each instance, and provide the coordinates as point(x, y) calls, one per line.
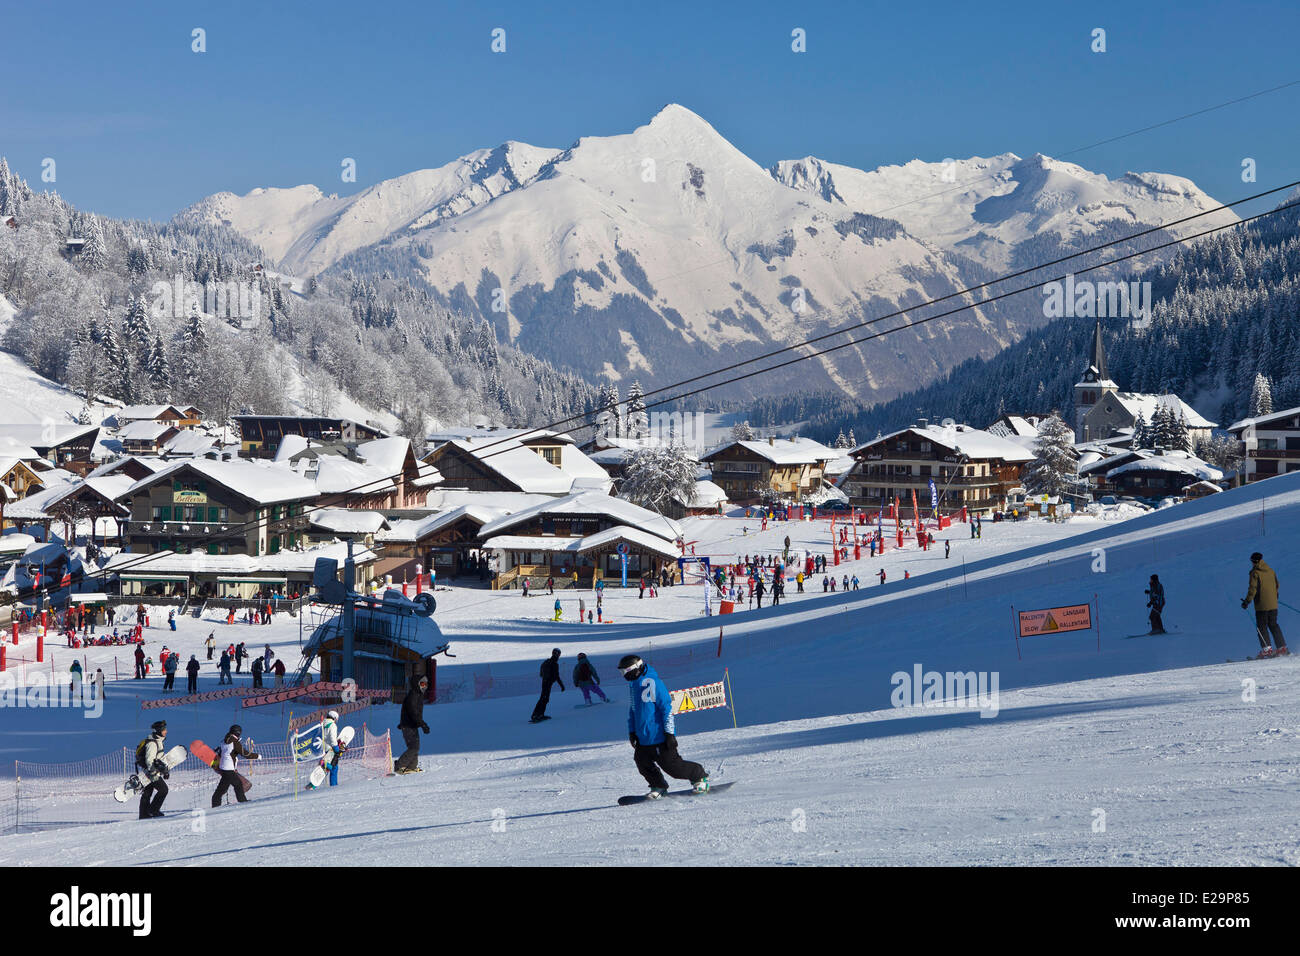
point(706, 697)
point(1055, 620)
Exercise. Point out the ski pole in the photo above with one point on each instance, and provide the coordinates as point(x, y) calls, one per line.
point(1288, 606)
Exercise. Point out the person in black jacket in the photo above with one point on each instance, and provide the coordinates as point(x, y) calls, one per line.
point(1156, 601)
point(550, 674)
point(232, 748)
point(192, 669)
point(412, 721)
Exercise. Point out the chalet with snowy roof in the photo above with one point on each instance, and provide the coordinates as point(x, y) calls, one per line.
point(145, 437)
point(91, 502)
point(446, 541)
point(372, 475)
point(226, 507)
point(173, 415)
point(1162, 475)
point(970, 468)
point(21, 478)
point(1101, 409)
point(706, 498)
point(1271, 444)
point(504, 464)
point(69, 446)
point(260, 435)
point(747, 470)
point(583, 533)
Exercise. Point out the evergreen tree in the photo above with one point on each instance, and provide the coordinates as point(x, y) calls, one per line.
point(1261, 395)
point(638, 420)
point(160, 375)
point(742, 432)
point(842, 441)
point(609, 423)
point(1054, 469)
point(853, 442)
point(94, 254)
point(1141, 433)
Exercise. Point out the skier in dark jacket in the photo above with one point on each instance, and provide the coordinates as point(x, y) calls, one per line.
point(257, 671)
point(192, 669)
point(550, 674)
point(587, 680)
point(1156, 601)
point(412, 720)
point(149, 766)
point(651, 730)
point(232, 748)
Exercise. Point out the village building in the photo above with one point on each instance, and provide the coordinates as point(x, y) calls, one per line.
point(146, 437)
point(69, 504)
point(446, 542)
point(582, 534)
point(749, 471)
point(969, 468)
point(503, 463)
point(260, 435)
point(379, 474)
point(1101, 410)
point(232, 507)
point(706, 499)
point(1270, 443)
point(67, 446)
point(177, 416)
point(1160, 475)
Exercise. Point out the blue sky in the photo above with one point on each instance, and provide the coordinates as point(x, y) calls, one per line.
point(139, 125)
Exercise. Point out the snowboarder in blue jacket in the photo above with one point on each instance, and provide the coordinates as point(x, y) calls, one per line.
point(651, 730)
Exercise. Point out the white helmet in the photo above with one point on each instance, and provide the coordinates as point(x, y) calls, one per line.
point(333, 715)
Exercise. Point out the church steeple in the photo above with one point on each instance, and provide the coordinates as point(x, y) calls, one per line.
point(1095, 383)
point(1096, 371)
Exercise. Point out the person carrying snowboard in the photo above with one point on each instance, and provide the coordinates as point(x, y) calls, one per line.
point(1156, 602)
point(1263, 591)
point(550, 674)
point(587, 680)
point(330, 742)
point(411, 722)
point(559, 611)
point(652, 732)
point(149, 765)
point(232, 749)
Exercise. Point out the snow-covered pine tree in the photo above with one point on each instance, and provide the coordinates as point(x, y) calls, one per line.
point(638, 420)
point(1055, 466)
point(1261, 396)
point(853, 442)
point(742, 432)
point(657, 474)
point(1141, 433)
point(609, 423)
point(841, 440)
point(1180, 437)
point(94, 254)
point(160, 375)
point(136, 331)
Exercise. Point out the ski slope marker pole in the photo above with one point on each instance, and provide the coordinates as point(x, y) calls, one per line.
point(726, 674)
point(719, 640)
point(1015, 630)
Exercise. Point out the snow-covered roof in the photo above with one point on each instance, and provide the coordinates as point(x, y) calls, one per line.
point(200, 562)
point(187, 442)
point(623, 512)
point(523, 542)
point(501, 502)
point(963, 440)
point(109, 467)
point(841, 465)
point(635, 536)
point(143, 430)
point(1207, 486)
point(413, 529)
point(135, 413)
point(347, 521)
point(490, 433)
point(517, 464)
point(15, 542)
point(1139, 403)
point(38, 506)
point(260, 482)
point(782, 451)
point(705, 495)
point(1264, 420)
point(10, 447)
point(1173, 461)
point(39, 435)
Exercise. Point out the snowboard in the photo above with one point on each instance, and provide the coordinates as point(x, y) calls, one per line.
point(322, 771)
point(209, 757)
point(642, 798)
point(138, 781)
point(538, 720)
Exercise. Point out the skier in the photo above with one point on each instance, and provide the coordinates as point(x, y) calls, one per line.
point(651, 730)
point(559, 611)
point(256, 670)
point(224, 667)
point(139, 662)
point(97, 684)
point(550, 585)
point(148, 764)
point(210, 644)
point(231, 750)
point(947, 548)
point(74, 682)
point(881, 572)
point(1156, 602)
point(192, 671)
point(171, 619)
point(798, 582)
point(587, 680)
point(278, 668)
point(759, 590)
point(169, 669)
point(240, 653)
point(826, 584)
point(412, 720)
point(266, 658)
point(550, 674)
point(333, 749)
point(1263, 590)
point(525, 588)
